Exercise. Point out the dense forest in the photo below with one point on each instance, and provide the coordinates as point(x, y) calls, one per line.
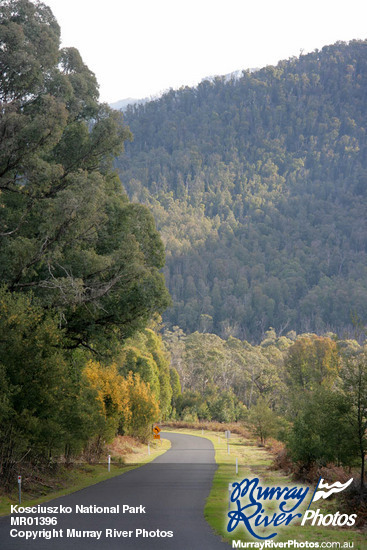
point(258, 188)
point(80, 265)
point(257, 185)
point(309, 391)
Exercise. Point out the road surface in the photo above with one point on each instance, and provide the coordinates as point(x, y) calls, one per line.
point(163, 497)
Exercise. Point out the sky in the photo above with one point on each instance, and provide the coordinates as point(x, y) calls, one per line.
point(140, 48)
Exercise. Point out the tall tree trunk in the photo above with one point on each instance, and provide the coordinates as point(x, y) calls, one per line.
point(363, 454)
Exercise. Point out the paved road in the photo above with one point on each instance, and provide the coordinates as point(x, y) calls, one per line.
point(173, 489)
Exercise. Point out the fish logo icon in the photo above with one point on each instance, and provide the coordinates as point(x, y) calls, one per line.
point(324, 490)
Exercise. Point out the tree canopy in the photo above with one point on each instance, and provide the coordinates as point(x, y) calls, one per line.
point(258, 186)
point(80, 265)
point(68, 232)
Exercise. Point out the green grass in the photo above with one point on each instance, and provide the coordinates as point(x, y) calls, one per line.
point(81, 476)
point(254, 462)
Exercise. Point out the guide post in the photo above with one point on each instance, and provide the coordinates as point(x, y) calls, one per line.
point(20, 488)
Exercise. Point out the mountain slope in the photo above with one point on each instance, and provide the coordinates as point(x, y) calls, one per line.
point(258, 186)
point(122, 104)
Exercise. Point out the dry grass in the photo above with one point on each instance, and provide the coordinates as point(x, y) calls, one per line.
point(233, 427)
point(124, 445)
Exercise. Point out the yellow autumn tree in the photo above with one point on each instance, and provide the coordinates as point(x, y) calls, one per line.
point(145, 354)
point(112, 394)
point(143, 408)
point(128, 405)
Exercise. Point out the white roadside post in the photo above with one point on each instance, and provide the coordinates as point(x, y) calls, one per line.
point(20, 488)
point(109, 463)
point(228, 435)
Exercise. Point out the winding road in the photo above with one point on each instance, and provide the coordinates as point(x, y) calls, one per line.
point(165, 496)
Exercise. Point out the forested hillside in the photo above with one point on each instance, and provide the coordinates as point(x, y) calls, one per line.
point(258, 186)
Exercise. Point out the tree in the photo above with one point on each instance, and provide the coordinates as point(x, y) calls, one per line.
point(135, 359)
point(81, 265)
point(127, 403)
point(222, 406)
point(321, 432)
point(175, 385)
point(161, 358)
point(312, 360)
point(112, 395)
point(258, 187)
point(68, 232)
point(39, 387)
point(354, 376)
point(262, 420)
point(143, 408)
point(144, 354)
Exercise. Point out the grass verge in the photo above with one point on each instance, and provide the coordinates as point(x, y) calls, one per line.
point(78, 476)
point(254, 461)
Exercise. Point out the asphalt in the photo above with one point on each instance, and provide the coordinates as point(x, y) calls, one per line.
point(172, 489)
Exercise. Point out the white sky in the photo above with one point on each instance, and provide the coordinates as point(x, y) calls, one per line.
point(138, 48)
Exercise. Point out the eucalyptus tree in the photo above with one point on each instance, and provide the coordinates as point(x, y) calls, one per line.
point(68, 232)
